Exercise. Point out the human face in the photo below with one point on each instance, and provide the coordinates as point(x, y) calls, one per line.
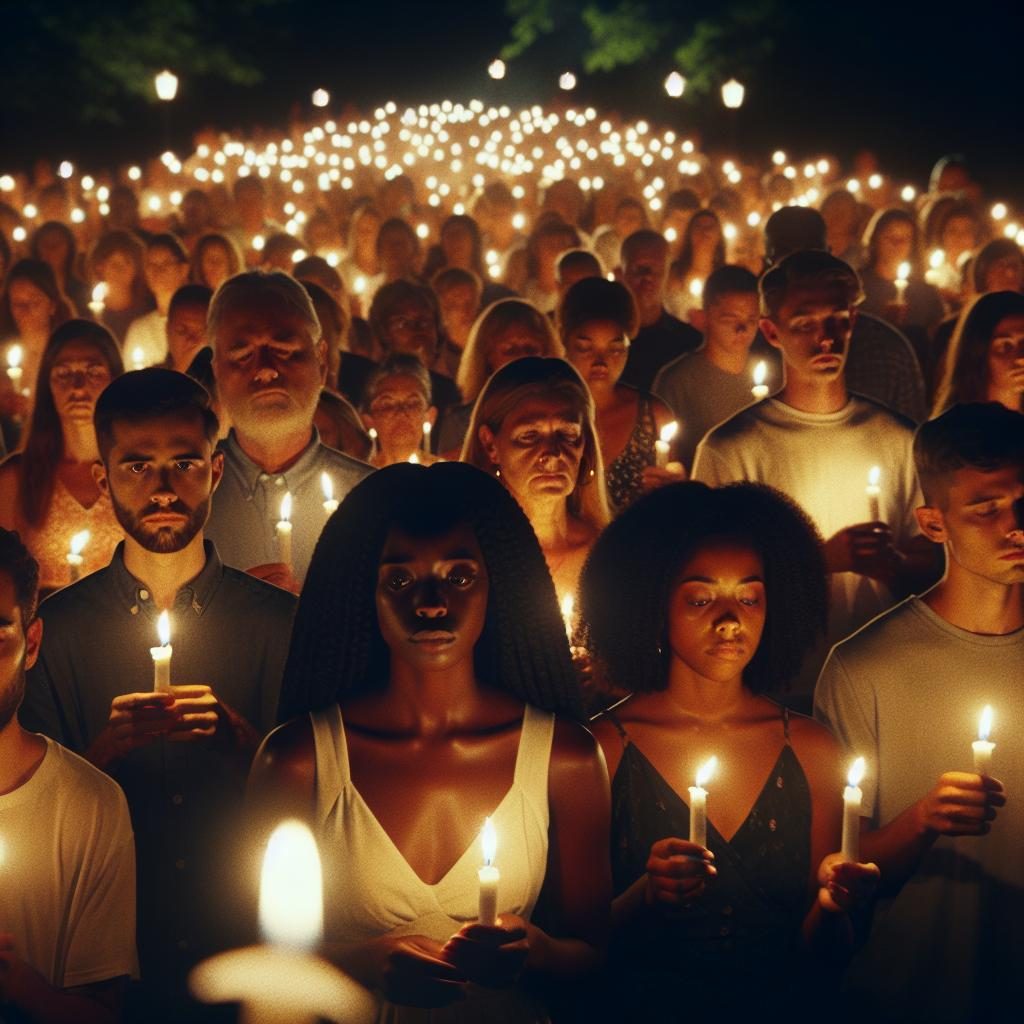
point(1006, 358)
point(78, 376)
point(412, 330)
point(398, 412)
point(959, 235)
point(432, 598)
point(457, 243)
point(645, 275)
point(981, 523)
point(538, 448)
point(118, 270)
point(19, 648)
point(269, 370)
point(598, 349)
point(894, 244)
point(812, 330)
point(397, 253)
point(215, 265)
point(732, 322)
point(717, 608)
point(186, 333)
point(705, 232)
point(513, 342)
point(1005, 274)
point(165, 273)
point(31, 308)
point(629, 219)
point(53, 249)
point(160, 474)
point(459, 305)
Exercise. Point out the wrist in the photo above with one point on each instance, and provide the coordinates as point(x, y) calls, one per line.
point(101, 753)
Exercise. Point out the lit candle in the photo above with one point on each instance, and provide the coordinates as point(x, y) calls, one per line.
point(568, 605)
point(284, 531)
point(489, 876)
point(852, 797)
point(330, 502)
point(415, 458)
point(15, 354)
point(699, 803)
point(696, 288)
point(874, 493)
point(98, 301)
point(981, 746)
point(760, 389)
point(427, 427)
point(663, 445)
point(138, 358)
point(74, 555)
point(162, 655)
point(372, 432)
point(902, 280)
point(359, 285)
point(283, 982)
point(936, 261)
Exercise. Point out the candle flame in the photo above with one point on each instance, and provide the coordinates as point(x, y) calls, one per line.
point(696, 287)
point(903, 272)
point(427, 427)
point(414, 459)
point(874, 476)
point(372, 432)
point(163, 628)
point(99, 293)
point(669, 431)
point(286, 507)
point(138, 357)
point(760, 373)
point(706, 770)
point(489, 841)
point(857, 770)
point(985, 723)
point(328, 486)
point(78, 541)
point(14, 356)
point(937, 258)
point(568, 604)
point(291, 888)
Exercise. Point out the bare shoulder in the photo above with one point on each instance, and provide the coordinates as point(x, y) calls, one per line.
point(577, 776)
point(813, 743)
point(663, 415)
point(289, 753)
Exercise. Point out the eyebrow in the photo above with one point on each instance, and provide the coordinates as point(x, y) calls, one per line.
point(707, 579)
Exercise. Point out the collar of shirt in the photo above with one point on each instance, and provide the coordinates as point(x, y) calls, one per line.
point(196, 594)
point(253, 475)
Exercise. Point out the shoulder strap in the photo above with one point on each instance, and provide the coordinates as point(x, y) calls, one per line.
point(785, 721)
point(534, 752)
point(332, 769)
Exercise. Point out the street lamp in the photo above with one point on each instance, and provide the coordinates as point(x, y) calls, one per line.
point(496, 69)
point(675, 84)
point(567, 81)
point(166, 84)
point(321, 97)
point(732, 94)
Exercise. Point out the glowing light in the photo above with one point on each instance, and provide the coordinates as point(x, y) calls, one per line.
point(286, 507)
point(856, 773)
point(908, 193)
point(675, 84)
point(496, 69)
point(489, 841)
point(732, 94)
point(78, 542)
point(567, 81)
point(985, 723)
point(321, 97)
point(163, 628)
point(706, 771)
point(668, 432)
point(166, 85)
point(999, 211)
point(291, 888)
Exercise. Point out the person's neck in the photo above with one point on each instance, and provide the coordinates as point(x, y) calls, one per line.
point(182, 360)
point(274, 453)
point(21, 753)
point(397, 453)
point(1006, 397)
point(432, 703)
point(164, 574)
point(605, 396)
point(550, 521)
point(80, 442)
point(650, 315)
point(710, 699)
point(815, 396)
point(727, 360)
point(975, 604)
point(163, 302)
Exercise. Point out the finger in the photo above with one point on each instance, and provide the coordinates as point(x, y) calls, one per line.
point(135, 700)
point(496, 936)
point(424, 966)
point(191, 691)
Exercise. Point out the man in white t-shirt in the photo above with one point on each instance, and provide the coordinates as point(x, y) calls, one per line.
point(818, 443)
point(907, 693)
point(67, 860)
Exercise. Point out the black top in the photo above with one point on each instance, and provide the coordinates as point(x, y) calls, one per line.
point(657, 344)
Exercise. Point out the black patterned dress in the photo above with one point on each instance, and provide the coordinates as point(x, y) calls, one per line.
point(624, 475)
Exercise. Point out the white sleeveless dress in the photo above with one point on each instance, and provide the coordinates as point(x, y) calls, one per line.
point(373, 891)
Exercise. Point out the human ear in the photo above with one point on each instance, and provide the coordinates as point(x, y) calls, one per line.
point(770, 332)
point(932, 524)
point(486, 436)
point(99, 474)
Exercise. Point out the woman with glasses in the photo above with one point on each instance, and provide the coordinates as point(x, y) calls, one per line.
point(396, 407)
point(47, 491)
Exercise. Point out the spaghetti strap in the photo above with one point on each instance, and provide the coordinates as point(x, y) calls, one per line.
point(785, 721)
point(538, 731)
point(332, 768)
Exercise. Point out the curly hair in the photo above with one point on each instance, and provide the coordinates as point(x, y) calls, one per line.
point(337, 650)
point(629, 577)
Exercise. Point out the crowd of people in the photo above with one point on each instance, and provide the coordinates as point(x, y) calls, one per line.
point(527, 524)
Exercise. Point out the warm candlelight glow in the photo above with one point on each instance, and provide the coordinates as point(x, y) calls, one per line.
point(78, 542)
point(166, 84)
point(99, 293)
point(414, 459)
point(286, 507)
point(163, 628)
point(856, 773)
point(489, 841)
point(936, 259)
point(496, 69)
point(669, 431)
point(760, 373)
point(327, 485)
point(706, 771)
point(675, 84)
point(903, 272)
point(696, 287)
point(874, 476)
point(15, 354)
point(985, 723)
point(291, 888)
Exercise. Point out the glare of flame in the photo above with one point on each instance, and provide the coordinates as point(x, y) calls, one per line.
point(857, 770)
point(696, 287)
point(985, 723)
point(669, 431)
point(99, 293)
point(760, 372)
point(427, 427)
point(14, 356)
point(291, 888)
point(328, 487)
point(706, 770)
point(567, 607)
point(78, 541)
point(903, 271)
point(138, 357)
point(360, 285)
point(372, 432)
point(286, 507)
point(937, 258)
point(489, 841)
point(874, 475)
point(414, 459)
point(163, 628)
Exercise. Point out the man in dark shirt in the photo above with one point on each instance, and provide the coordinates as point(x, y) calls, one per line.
point(180, 755)
point(662, 337)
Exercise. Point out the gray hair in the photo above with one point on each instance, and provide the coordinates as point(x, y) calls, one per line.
point(398, 364)
point(260, 284)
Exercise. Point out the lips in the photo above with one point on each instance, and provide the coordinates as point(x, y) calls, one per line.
point(1017, 555)
point(432, 636)
point(729, 649)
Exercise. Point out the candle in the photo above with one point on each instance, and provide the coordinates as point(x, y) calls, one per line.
point(663, 445)
point(567, 609)
point(936, 261)
point(427, 427)
point(696, 288)
point(414, 458)
point(981, 746)
point(902, 280)
point(760, 389)
point(74, 555)
point(284, 531)
point(98, 302)
point(372, 432)
point(852, 797)
point(162, 655)
point(283, 982)
point(360, 285)
point(330, 502)
point(138, 358)
point(699, 803)
point(874, 492)
point(489, 876)
point(15, 354)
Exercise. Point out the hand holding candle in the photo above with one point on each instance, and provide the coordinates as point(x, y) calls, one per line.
point(327, 485)
point(74, 555)
point(663, 446)
point(489, 877)
point(852, 797)
point(874, 493)
point(15, 355)
point(162, 655)
point(760, 389)
point(981, 746)
point(284, 531)
point(699, 803)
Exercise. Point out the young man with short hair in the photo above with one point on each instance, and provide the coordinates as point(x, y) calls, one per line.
point(906, 693)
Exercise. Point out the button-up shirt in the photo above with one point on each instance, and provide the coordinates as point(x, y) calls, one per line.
point(247, 504)
point(229, 631)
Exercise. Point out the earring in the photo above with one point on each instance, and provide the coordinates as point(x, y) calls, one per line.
point(497, 471)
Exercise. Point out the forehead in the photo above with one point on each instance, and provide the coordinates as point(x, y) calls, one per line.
point(77, 352)
point(539, 407)
point(24, 288)
point(9, 608)
point(724, 556)
point(261, 313)
point(398, 384)
point(596, 330)
point(192, 314)
point(971, 484)
point(1009, 325)
point(740, 303)
point(409, 306)
point(804, 299)
point(456, 540)
point(178, 430)
point(647, 252)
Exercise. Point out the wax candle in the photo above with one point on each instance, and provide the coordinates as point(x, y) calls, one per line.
point(852, 797)
point(696, 288)
point(936, 264)
point(98, 302)
point(902, 280)
point(138, 358)
point(372, 432)
point(874, 493)
point(663, 445)
point(427, 426)
point(415, 458)
point(162, 655)
point(330, 502)
point(15, 354)
point(74, 555)
point(981, 746)
point(760, 389)
point(568, 605)
point(699, 803)
point(282, 981)
point(284, 531)
point(489, 876)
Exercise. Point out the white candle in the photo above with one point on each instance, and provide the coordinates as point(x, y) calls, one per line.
point(284, 531)
point(162, 655)
point(15, 354)
point(283, 982)
point(699, 803)
point(981, 746)
point(663, 445)
point(98, 302)
point(427, 426)
point(414, 458)
point(74, 555)
point(360, 285)
point(852, 797)
point(902, 280)
point(330, 502)
point(874, 493)
point(372, 432)
point(760, 389)
point(138, 358)
point(489, 876)
point(936, 264)
point(568, 605)
point(696, 288)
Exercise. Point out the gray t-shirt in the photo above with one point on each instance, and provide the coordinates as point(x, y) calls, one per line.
point(906, 692)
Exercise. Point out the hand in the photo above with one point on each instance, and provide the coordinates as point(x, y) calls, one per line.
point(198, 713)
point(136, 720)
point(278, 573)
point(1017, 377)
point(654, 477)
point(413, 972)
point(677, 872)
point(866, 549)
point(961, 804)
point(492, 957)
point(845, 886)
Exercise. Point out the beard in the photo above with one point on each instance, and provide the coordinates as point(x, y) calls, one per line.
point(11, 698)
point(163, 540)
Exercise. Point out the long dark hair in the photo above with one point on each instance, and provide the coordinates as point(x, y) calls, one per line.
point(44, 440)
point(683, 264)
point(39, 274)
point(337, 650)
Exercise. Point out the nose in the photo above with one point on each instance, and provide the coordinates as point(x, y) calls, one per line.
point(431, 603)
point(727, 627)
point(1016, 535)
point(266, 368)
point(164, 494)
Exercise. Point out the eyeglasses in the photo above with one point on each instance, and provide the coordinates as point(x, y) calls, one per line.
point(389, 407)
point(410, 323)
point(65, 375)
